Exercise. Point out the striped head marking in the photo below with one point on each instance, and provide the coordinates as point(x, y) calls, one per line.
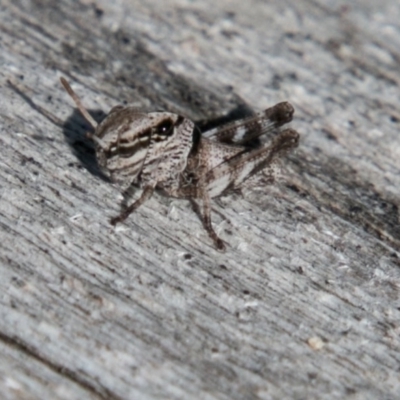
point(129, 142)
point(132, 145)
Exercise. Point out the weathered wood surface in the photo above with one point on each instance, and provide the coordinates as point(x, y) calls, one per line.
point(305, 302)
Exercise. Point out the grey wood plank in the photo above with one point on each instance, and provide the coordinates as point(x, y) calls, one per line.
point(304, 304)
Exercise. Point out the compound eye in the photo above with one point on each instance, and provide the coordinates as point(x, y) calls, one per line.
point(165, 128)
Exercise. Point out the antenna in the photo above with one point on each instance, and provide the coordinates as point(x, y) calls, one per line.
point(82, 109)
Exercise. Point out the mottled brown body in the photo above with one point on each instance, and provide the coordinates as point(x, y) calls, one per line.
point(157, 151)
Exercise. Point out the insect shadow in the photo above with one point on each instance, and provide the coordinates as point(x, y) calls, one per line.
point(75, 129)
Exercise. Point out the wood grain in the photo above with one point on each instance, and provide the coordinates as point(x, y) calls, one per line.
point(304, 304)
